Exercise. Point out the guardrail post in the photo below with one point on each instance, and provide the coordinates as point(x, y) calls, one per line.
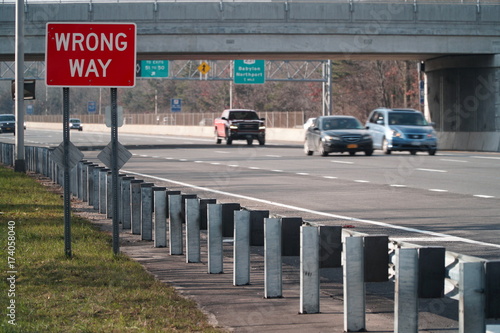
point(175, 224)
point(192, 207)
point(309, 269)
point(354, 284)
point(214, 239)
point(109, 195)
point(73, 180)
point(79, 179)
point(126, 204)
point(147, 211)
point(183, 208)
point(103, 174)
point(96, 176)
point(471, 310)
point(241, 248)
point(160, 199)
point(85, 181)
point(135, 194)
point(228, 218)
point(330, 246)
point(290, 230)
point(431, 272)
point(492, 271)
point(119, 193)
point(406, 291)
point(272, 258)
point(376, 258)
point(257, 226)
point(90, 180)
point(203, 212)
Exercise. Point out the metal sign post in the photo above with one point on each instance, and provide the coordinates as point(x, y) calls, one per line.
point(67, 198)
point(114, 169)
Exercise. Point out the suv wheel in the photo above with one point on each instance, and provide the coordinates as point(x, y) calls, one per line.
point(322, 150)
point(432, 152)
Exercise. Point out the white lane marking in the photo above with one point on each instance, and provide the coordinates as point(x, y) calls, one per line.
point(277, 170)
point(306, 210)
point(198, 161)
point(169, 158)
point(487, 157)
point(221, 152)
point(483, 196)
point(155, 156)
point(183, 160)
point(143, 155)
point(234, 165)
point(330, 177)
point(426, 239)
point(430, 170)
point(254, 168)
point(437, 190)
point(449, 160)
point(342, 162)
point(277, 156)
point(302, 173)
point(361, 181)
point(397, 185)
point(215, 163)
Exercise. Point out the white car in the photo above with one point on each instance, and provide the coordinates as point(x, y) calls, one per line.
point(308, 123)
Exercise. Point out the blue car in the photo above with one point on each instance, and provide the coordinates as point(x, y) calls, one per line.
point(401, 130)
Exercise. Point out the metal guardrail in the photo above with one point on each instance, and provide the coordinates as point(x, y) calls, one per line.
point(417, 271)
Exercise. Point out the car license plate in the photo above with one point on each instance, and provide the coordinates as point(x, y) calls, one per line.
point(352, 146)
point(415, 143)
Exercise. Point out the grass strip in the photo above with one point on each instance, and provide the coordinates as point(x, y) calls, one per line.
point(95, 291)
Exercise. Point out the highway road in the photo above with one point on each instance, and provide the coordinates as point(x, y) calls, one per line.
point(451, 199)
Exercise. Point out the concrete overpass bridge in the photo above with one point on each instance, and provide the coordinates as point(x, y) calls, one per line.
point(458, 42)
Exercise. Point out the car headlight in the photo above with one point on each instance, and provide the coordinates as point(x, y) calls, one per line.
point(262, 127)
point(330, 138)
point(367, 137)
point(431, 135)
point(397, 134)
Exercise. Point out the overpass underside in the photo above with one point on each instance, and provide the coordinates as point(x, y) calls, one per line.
point(459, 42)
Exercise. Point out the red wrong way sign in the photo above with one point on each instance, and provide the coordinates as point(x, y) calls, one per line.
point(90, 54)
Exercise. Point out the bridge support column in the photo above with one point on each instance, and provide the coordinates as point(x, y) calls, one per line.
point(463, 100)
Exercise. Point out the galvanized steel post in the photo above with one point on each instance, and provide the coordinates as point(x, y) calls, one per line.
point(193, 251)
point(354, 285)
point(126, 210)
point(160, 223)
point(309, 269)
point(273, 284)
point(471, 304)
point(241, 248)
point(214, 239)
point(135, 193)
point(175, 224)
point(147, 211)
point(406, 291)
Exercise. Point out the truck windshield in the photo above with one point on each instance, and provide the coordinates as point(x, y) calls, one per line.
point(243, 115)
point(7, 117)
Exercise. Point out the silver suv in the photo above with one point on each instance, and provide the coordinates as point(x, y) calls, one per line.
point(401, 130)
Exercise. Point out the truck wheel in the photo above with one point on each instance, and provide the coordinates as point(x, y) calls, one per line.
point(262, 142)
point(249, 142)
point(229, 141)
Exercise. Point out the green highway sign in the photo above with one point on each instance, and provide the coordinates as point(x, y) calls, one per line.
point(152, 68)
point(249, 71)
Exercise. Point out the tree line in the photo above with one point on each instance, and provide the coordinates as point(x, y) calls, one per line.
point(357, 88)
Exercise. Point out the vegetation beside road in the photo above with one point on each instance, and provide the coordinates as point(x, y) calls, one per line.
point(95, 291)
